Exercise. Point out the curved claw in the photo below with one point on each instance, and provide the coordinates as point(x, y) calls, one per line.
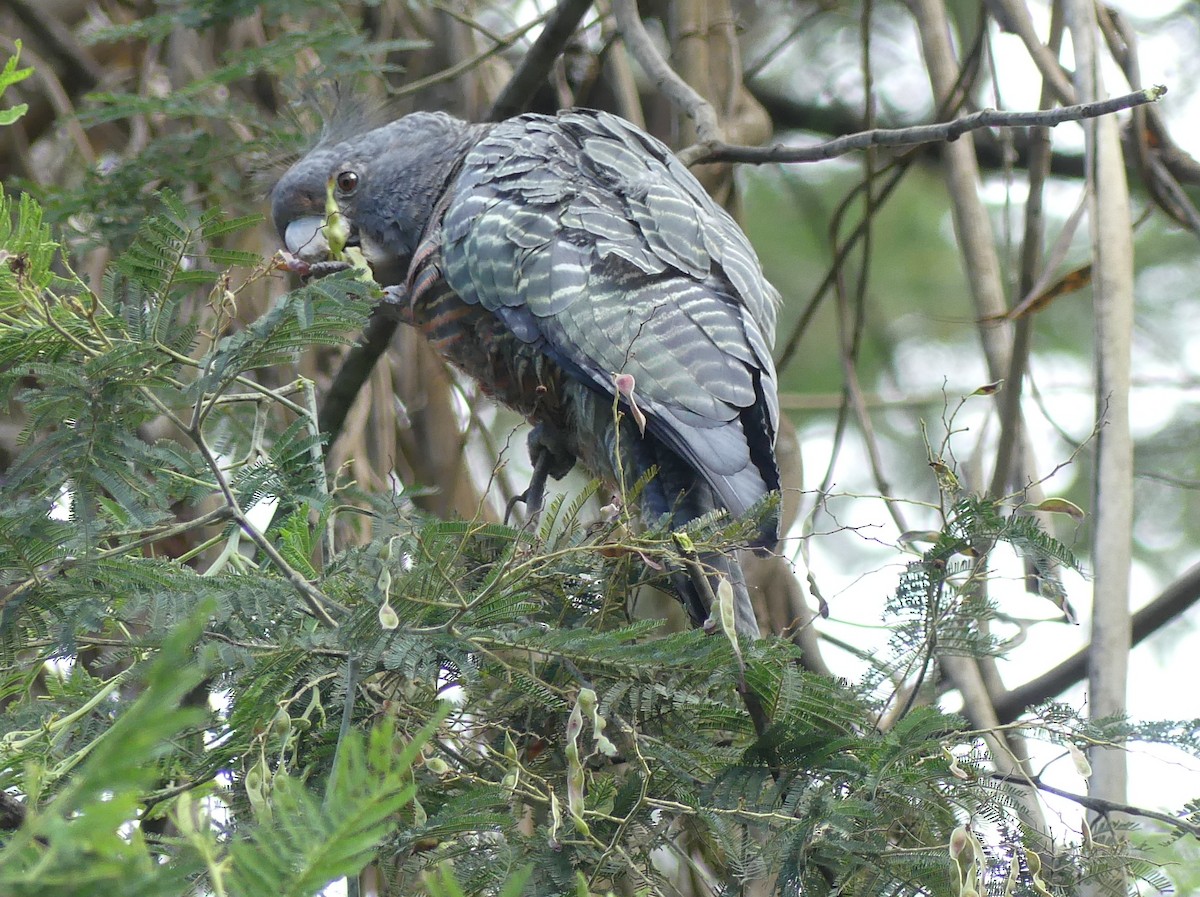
point(534, 495)
point(551, 458)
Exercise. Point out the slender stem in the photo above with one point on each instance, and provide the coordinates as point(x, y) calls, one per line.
point(716, 151)
point(666, 79)
point(313, 597)
point(1100, 805)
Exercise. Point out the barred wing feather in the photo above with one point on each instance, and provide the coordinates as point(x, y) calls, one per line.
point(590, 239)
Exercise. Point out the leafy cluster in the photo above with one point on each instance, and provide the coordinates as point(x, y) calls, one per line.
point(217, 665)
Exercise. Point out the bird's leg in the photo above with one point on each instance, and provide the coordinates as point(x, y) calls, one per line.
point(551, 458)
point(534, 494)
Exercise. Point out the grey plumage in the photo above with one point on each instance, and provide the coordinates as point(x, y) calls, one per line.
point(545, 256)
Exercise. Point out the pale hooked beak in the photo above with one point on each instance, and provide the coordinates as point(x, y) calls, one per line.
point(305, 240)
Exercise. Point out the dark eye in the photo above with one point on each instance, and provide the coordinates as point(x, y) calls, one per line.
point(347, 182)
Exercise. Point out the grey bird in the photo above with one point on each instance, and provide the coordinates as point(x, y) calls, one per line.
point(571, 264)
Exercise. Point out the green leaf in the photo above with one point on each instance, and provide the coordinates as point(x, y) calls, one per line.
point(82, 841)
point(308, 842)
point(11, 114)
point(1060, 506)
point(9, 76)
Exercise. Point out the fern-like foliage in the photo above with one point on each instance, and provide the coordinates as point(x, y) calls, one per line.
point(305, 841)
point(218, 672)
point(942, 605)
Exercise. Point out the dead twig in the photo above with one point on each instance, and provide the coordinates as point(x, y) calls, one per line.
point(666, 79)
point(536, 64)
point(1102, 806)
point(716, 151)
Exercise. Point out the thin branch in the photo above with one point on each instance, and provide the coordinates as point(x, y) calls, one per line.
point(795, 114)
point(841, 254)
point(716, 151)
point(666, 79)
point(314, 598)
point(468, 22)
point(1102, 806)
point(780, 45)
point(355, 369)
point(1013, 16)
point(471, 62)
point(1010, 441)
point(1174, 600)
point(531, 73)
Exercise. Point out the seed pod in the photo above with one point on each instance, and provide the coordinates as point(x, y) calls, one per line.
point(388, 618)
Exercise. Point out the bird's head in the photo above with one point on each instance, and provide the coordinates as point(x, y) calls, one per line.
point(385, 182)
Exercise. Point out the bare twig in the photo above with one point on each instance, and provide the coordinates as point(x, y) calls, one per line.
point(532, 71)
point(1102, 806)
point(666, 79)
point(769, 56)
point(468, 22)
point(791, 113)
point(1014, 16)
point(313, 597)
point(1174, 600)
point(792, 343)
point(854, 396)
point(449, 74)
point(1009, 443)
point(715, 151)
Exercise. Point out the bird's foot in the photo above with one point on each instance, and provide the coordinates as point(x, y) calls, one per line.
point(394, 295)
point(534, 495)
point(551, 458)
point(309, 270)
point(323, 269)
